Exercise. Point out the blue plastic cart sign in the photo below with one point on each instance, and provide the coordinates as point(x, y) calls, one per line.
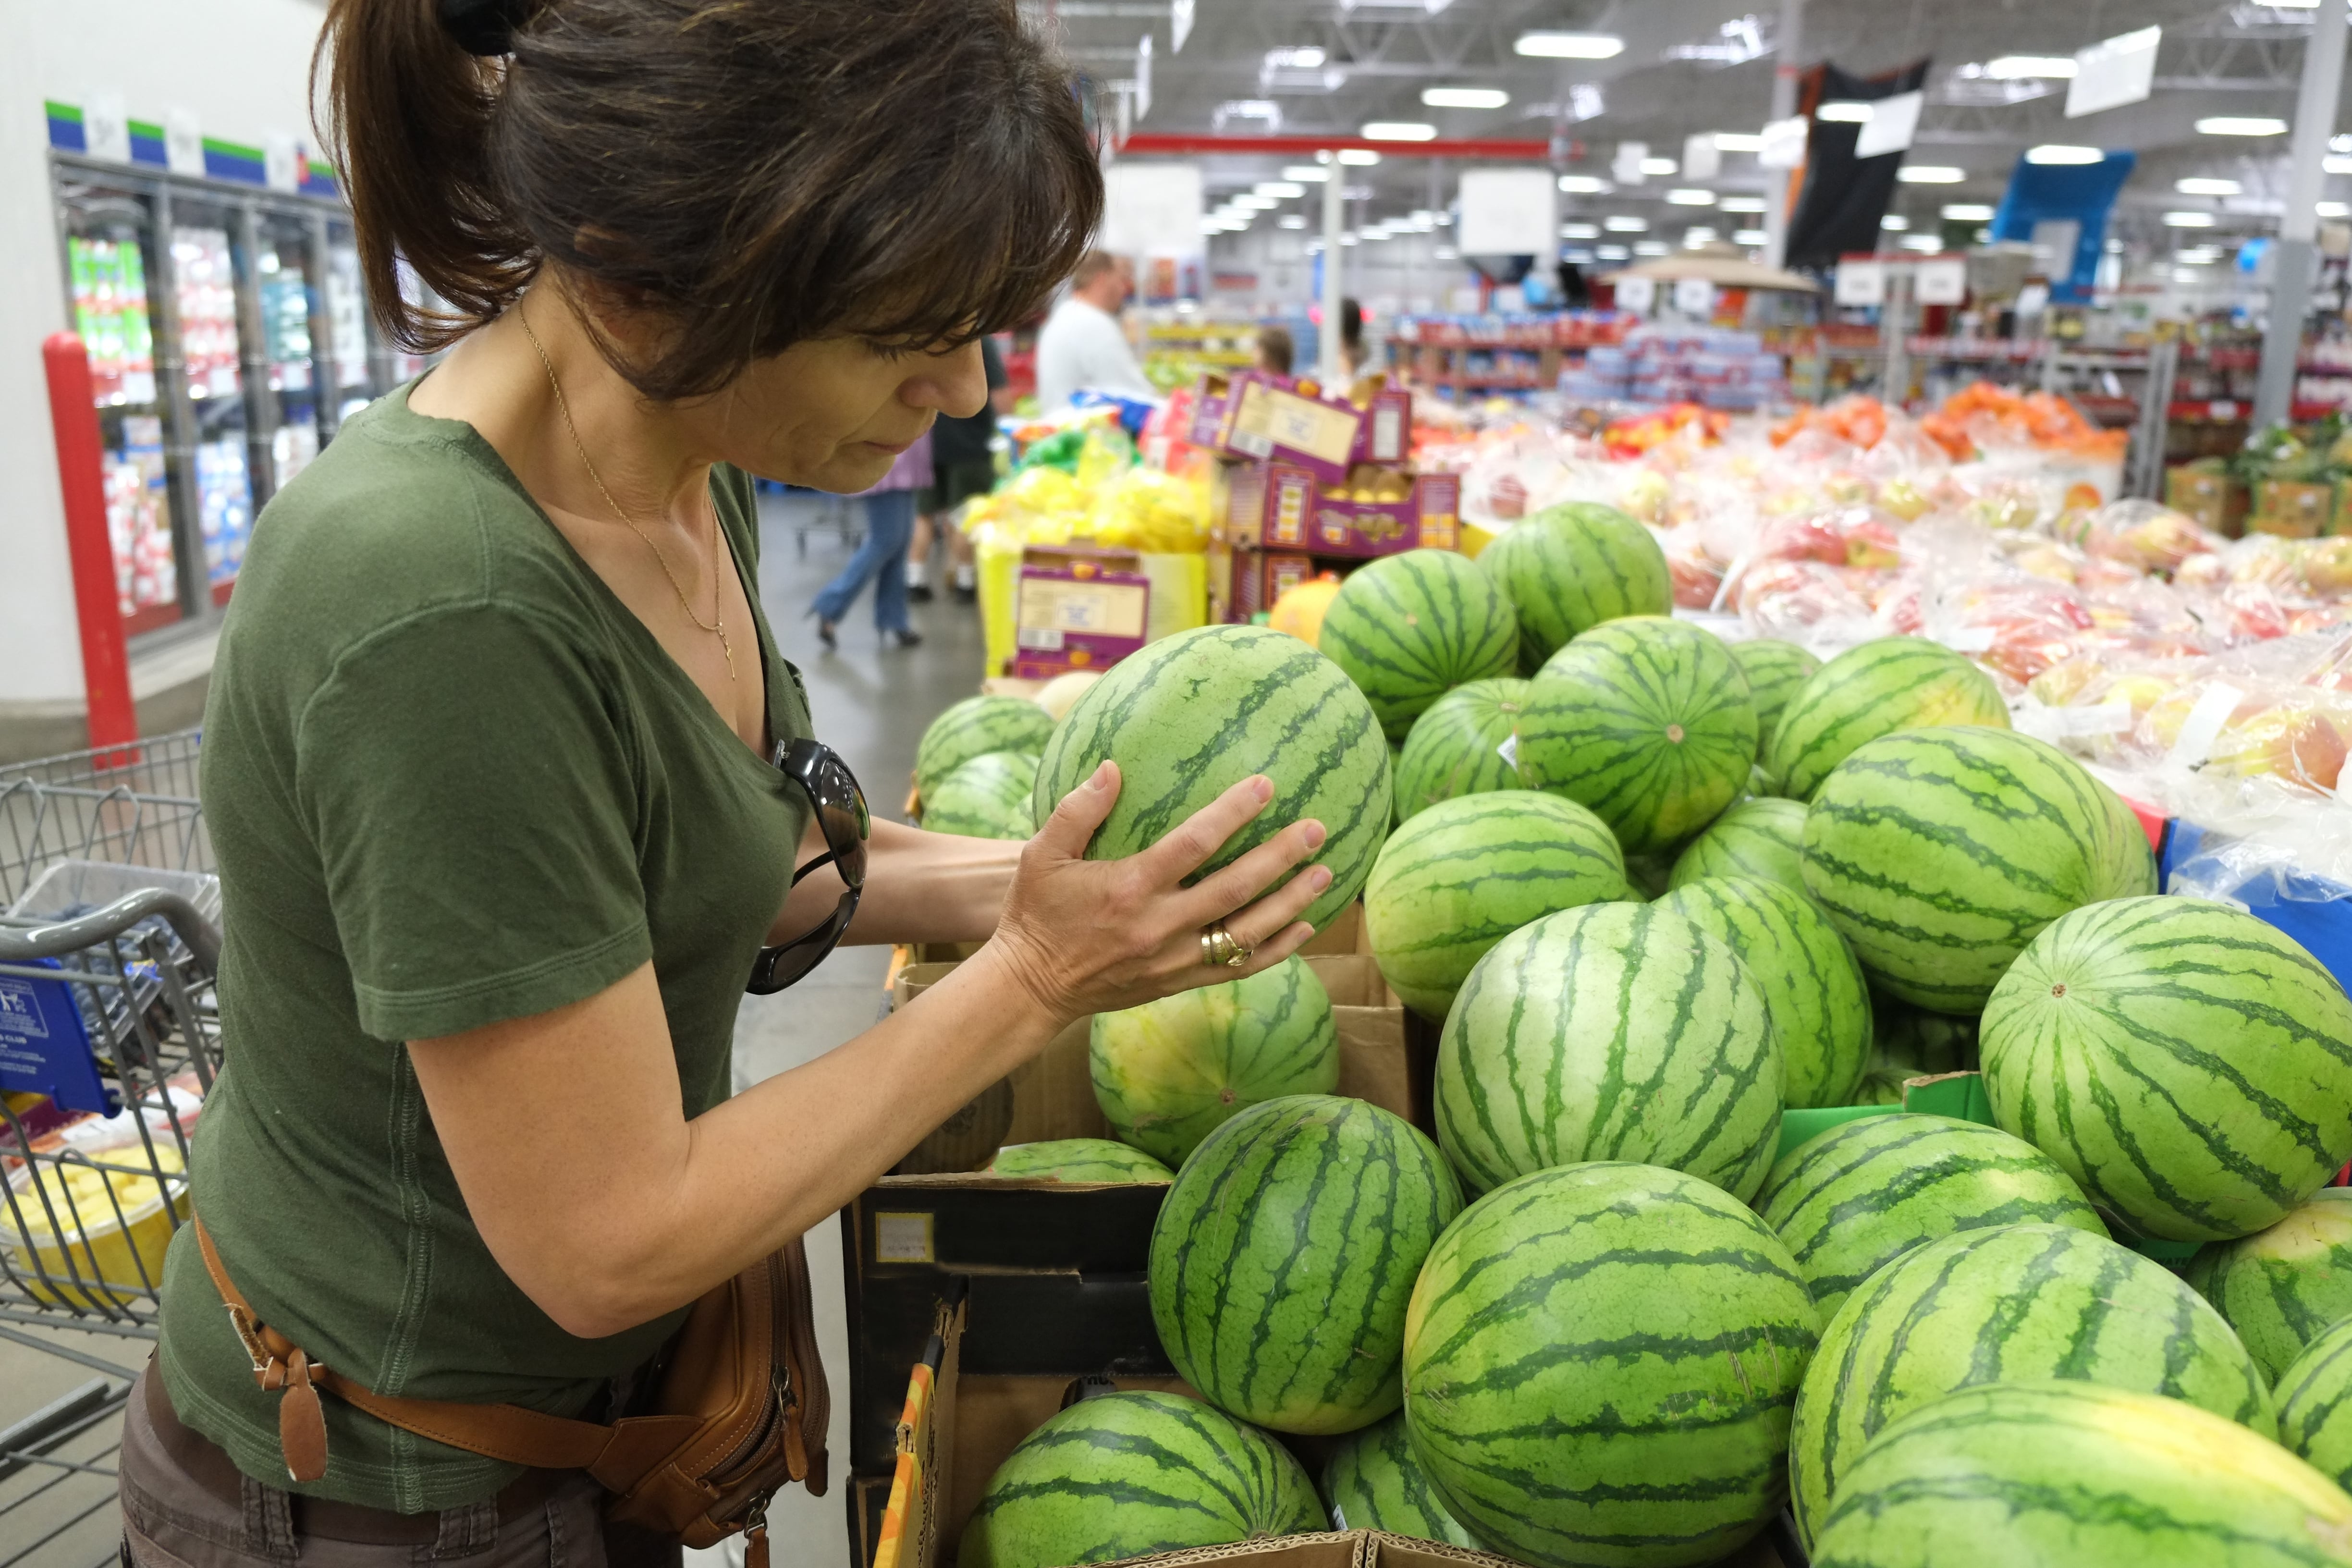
point(44, 1045)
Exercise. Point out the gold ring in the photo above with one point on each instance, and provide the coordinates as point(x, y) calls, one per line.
point(1220, 949)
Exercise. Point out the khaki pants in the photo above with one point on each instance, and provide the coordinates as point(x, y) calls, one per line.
point(176, 1513)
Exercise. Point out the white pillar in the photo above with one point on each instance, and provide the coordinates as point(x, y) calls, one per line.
point(1327, 337)
point(2298, 257)
point(1788, 46)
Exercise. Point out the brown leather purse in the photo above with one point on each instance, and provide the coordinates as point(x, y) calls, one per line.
point(737, 1407)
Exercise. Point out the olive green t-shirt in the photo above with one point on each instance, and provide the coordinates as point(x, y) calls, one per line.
point(450, 779)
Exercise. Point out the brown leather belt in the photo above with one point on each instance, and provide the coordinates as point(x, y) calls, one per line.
point(203, 1462)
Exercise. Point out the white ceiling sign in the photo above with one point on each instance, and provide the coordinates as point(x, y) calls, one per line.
point(1702, 159)
point(1942, 282)
point(1638, 295)
point(1144, 76)
point(1893, 122)
point(1861, 283)
point(1509, 212)
point(1626, 169)
point(1784, 143)
point(1180, 26)
point(2109, 75)
point(1151, 207)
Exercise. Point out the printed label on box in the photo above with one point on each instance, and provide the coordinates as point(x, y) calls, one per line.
point(903, 1238)
point(1292, 493)
point(1267, 416)
point(1387, 435)
point(1099, 608)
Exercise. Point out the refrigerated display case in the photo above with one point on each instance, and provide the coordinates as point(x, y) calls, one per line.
point(212, 356)
point(288, 303)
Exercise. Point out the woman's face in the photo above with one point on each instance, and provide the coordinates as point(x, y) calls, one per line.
point(835, 414)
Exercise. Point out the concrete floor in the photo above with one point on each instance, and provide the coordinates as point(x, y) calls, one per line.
point(870, 703)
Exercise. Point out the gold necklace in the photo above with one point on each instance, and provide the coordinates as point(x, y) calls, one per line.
point(717, 624)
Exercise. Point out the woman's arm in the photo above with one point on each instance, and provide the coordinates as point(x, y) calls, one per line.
point(608, 1208)
point(920, 886)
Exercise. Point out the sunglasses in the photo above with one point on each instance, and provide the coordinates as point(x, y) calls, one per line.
point(841, 813)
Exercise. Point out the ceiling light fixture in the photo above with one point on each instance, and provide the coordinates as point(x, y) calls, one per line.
point(1930, 174)
point(1585, 185)
point(1307, 174)
point(1894, 223)
point(1624, 224)
point(1968, 212)
point(1920, 242)
point(2202, 185)
point(2017, 67)
point(1699, 236)
point(1281, 190)
point(1304, 58)
point(2189, 220)
point(1580, 231)
point(1740, 204)
point(1653, 247)
point(1464, 97)
point(1613, 253)
point(1664, 167)
point(2240, 125)
point(1751, 236)
point(1359, 157)
point(1398, 130)
point(1294, 220)
point(1569, 45)
point(1691, 198)
point(2059, 153)
point(2337, 165)
point(1844, 112)
point(1738, 142)
point(2334, 209)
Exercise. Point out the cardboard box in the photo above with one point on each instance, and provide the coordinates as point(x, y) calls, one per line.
point(1386, 435)
point(1259, 577)
point(1078, 608)
point(2209, 496)
point(2292, 511)
point(1283, 506)
point(1275, 418)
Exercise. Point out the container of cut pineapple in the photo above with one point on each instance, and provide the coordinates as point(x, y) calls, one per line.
point(88, 1227)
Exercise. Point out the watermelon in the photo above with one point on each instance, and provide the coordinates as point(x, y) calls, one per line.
point(987, 797)
point(1599, 1366)
point(1813, 986)
point(1167, 1073)
point(1941, 853)
point(1409, 629)
point(1078, 1160)
point(1285, 1255)
point(2283, 1288)
point(1122, 1475)
point(1761, 839)
point(1646, 721)
point(1467, 742)
point(1895, 683)
point(1855, 1198)
point(2012, 1302)
point(1191, 715)
point(2190, 1065)
point(1373, 1482)
point(1467, 872)
point(1775, 671)
point(2073, 1475)
point(1568, 568)
point(2315, 1404)
point(1613, 1032)
point(973, 727)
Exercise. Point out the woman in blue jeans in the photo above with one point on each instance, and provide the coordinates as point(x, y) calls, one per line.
point(890, 526)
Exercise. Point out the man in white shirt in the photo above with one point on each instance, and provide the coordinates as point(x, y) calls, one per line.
point(1082, 345)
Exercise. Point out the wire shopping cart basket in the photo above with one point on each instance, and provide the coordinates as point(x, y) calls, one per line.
point(110, 1040)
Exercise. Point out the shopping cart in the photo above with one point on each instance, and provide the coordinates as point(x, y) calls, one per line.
point(110, 1040)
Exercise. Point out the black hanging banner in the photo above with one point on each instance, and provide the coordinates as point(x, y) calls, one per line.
point(1844, 197)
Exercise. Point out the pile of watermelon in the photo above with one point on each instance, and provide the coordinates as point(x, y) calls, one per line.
point(1642, 1291)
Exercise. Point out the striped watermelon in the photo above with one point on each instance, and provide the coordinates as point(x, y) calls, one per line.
point(2189, 1065)
point(2283, 1288)
point(1467, 872)
point(1285, 1255)
point(1613, 1032)
point(1762, 838)
point(1775, 671)
point(2315, 1404)
point(987, 797)
point(1409, 629)
point(1122, 1475)
point(2013, 1302)
point(1569, 568)
point(973, 727)
point(1599, 1365)
point(1813, 986)
point(1860, 1196)
point(1167, 1073)
point(1191, 715)
point(1078, 1160)
point(1895, 683)
point(1467, 742)
point(2071, 1475)
point(1941, 853)
point(1647, 722)
point(1373, 1482)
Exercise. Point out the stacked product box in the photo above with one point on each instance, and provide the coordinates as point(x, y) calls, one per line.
point(1708, 365)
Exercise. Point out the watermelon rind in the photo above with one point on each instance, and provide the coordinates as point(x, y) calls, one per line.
point(1812, 984)
point(1776, 671)
point(1761, 837)
point(1855, 1198)
point(1877, 688)
point(987, 797)
point(1465, 743)
point(2285, 1286)
point(1912, 1042)
point(2315, 1404)
point(1568, 568)
point(1076, 1160)
point(975, 727)
point(1168, 1073)
point(1647, 722)
point(2013, 1301)
point(1373, 1482)
point(1940, 853)
point(1408, 628)
point(2188, 1063)
point(1611, 1032)
point(1285, 1255)
point(1126, 1475)
point(1191, 715)
point(1600, 1362)
point(1460, 877)
point(2074, 1475)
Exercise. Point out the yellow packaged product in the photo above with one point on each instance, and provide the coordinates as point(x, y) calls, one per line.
point(104, 1224)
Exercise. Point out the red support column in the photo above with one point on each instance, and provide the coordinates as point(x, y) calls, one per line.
point(105, 653)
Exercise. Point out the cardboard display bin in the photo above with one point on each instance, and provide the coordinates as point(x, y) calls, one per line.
point(1277, 418)
point(1286, 507)
point(1078, 608)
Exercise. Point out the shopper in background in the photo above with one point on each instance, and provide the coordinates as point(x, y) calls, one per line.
point(1082, 347)
point(1275, 350)
point(881, 558)
point(1353, 356)
point(507, 783)
point(963, 466)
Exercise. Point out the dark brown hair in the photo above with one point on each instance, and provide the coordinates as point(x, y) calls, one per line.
point(755, 173)
point(1274, 349)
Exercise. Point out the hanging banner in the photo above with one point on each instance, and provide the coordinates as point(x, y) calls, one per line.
point(1509, 212)
point(1845, 193)
point(1151, 206)
point(2109, 75)
point(2063, 207)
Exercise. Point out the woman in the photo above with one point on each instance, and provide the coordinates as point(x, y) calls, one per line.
point(890, 526)
point(486, 756)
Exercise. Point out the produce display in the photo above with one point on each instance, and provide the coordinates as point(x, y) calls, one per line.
point(1776, 671)
point(1812, 987)
point(2283, 1288)
point(2315, 1404)
point(986, 797)
point(1465, 741)
point(1078, 1160)
point(1373, 1482)
point(1409, 629)
point(1762, 837)
point(1874, 690)
point(1567, 570)
point(976, 726)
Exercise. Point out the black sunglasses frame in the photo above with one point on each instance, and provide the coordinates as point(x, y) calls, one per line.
point(841, 812)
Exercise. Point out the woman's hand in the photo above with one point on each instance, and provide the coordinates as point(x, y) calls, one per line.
point(1095, 936)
